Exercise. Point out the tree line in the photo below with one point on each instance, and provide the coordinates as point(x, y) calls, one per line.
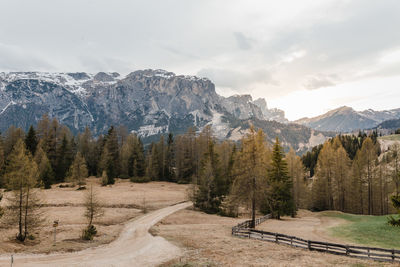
point(351, 174)
point(346, 173)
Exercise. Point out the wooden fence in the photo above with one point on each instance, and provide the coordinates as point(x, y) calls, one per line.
point(379, 254)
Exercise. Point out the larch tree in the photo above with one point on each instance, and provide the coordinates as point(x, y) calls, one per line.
point(296, 171)
point(279, 189)
point(322, 184)
point(93, 211)
point(23, 206)
point(394, 153)
point(46, 174)
point(78, 170)
point(341, 168)
point(250, 171)
point(369, 154)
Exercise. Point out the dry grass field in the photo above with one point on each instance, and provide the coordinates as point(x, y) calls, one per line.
point(122, 202)
point(207, 241)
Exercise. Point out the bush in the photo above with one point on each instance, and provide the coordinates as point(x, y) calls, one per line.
point(31, 237)
point(89, 233)
point(137, 179)
point(104, 179)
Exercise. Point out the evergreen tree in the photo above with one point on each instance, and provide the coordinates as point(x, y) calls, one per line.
point(170, 159)
point(110, 159)
point(210, 188)
point(64, 157)
point(2, 161)
point(139, 160)
point(279, 193)
point(31, 140)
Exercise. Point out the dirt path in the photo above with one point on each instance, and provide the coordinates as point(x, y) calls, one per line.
point(135, 247)
point(306, 225)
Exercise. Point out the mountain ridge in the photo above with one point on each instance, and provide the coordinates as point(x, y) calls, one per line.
point(346, 119)
point(148, 102)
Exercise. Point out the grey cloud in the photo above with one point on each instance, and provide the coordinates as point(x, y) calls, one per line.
point(14, 58)
point(319, 81)
point(242, 41)
point(237, 80)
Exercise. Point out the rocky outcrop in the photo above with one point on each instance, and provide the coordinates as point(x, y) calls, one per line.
point(148, 102)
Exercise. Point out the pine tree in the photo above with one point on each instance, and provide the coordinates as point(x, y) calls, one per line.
point(279, 194)
point(170, 159)
point(110, 157)
point(78, 171)
point(31, 141)
point(210, 187)
point(139, 160)
point(1, 162)
point(64, 158)
point(23, 206)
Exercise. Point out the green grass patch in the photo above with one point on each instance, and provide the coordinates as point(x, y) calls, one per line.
point(366, 230)
point(393, 137)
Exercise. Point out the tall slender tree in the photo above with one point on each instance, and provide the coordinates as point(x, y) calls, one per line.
point(279, 192)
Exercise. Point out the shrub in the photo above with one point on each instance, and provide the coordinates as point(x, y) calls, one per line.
point(137, 179)
point(104, 179)
point(89, 233)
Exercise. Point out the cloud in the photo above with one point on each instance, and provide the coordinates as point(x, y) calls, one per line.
point(242, 41)
point(320, 81)
point(237, 80)
point(14, 58)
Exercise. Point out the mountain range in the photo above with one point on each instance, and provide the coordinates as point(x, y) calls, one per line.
point(346, 119)
point(147, 102)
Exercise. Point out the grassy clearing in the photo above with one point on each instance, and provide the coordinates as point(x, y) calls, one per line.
point(393, 137)
point(366, 230)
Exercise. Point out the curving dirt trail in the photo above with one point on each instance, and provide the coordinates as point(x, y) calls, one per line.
point(135, 247)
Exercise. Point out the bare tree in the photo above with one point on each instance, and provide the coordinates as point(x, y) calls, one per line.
point(93, 211)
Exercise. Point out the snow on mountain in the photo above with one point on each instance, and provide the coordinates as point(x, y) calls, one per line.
point(147, 102)
point(346, 119)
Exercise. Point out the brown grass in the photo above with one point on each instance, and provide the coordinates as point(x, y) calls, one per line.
point(121, 203)
point(207, 241)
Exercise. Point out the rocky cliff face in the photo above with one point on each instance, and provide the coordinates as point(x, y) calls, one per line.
point(148, 102)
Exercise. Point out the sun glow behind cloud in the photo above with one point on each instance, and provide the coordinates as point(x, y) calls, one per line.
point(375, 93)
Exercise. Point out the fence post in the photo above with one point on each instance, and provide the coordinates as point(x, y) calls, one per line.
point(392, 254)
point(291, 240)
point(368, 253)
point(347, 251)
point(309, 244)
point(276, 237)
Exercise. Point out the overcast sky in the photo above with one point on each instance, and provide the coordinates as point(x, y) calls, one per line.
point(304, 57)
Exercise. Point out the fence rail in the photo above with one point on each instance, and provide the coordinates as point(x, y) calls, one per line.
point(379, 254)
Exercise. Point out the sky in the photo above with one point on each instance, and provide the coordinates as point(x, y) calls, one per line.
point(305, 57)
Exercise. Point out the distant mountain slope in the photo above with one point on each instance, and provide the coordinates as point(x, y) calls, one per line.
point(346, 119)
point(390, 125)
point(148, 102)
